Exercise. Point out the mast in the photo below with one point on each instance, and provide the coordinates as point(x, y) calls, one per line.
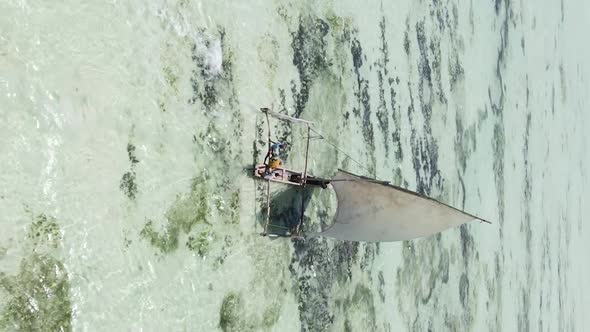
point(303, 181)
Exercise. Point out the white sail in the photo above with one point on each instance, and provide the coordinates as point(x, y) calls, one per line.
point(374, 211)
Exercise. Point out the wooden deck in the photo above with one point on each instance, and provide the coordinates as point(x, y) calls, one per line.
point(287, 176)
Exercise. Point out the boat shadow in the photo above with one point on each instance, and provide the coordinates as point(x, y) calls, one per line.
point(285, 210)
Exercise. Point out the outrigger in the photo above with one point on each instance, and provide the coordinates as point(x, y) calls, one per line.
point(287, 176)
point(368, 209)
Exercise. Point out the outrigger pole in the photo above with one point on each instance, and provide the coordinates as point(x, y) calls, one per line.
point(303, 182)
point(267, 184)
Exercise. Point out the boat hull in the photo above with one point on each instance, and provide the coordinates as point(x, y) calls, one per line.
point(288, 177)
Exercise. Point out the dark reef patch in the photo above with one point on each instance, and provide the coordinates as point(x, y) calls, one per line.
point(435, 51)
point(525, 227)
point(315, 267)
point(562, 11)
point(465, 144)
point(194, 218)
point(497, 4)
point(396, 115)
point(464, 290)
point(497, 105)
point(230, 313)
point(324, 49)
point(407, 38)
point(562, 83)
point(456, 71)
point(382, 72)
point(424, 148)
point(131, 154)
point(284, 131)
point(181, 218)
point(528, 91)
point(498, 142)
point(309, 57)
point(424, 68)
point(361, 304)
point(467, 245)
point(426, 262)
point(209, 84)
point(553, 99)
point(44, 231)
point(425, 268)
point(424, 152)
point(523, 314)
point(383, 112)
point(233, 316)
point(314, 297)
point(498, 146)
point(361, 92)
point(528, 189)
point(128, 184)
point(381, 286)
point(38, 297)
point(363, 297)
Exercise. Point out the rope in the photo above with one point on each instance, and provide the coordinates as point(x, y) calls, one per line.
point(322, 137)
point(340, 150)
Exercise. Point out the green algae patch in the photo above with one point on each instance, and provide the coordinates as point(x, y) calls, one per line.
point(271, 315)
point(225, 250)
point(200, 243)
point(181, 218)
point(232, 215)
point(190, 211)
point(234, 317)
point(171, 78)
point(358, 310)
point(364, 298)
point(338, 24)
point(166, 241)
point(195, 219)
point(347, 326)
point(214, 140)
point(268, 55)
point(189, 220)
point(230, 313)
point(44, 230)
point(37, 298)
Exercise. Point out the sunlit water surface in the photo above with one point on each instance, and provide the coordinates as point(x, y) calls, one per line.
point(125, 128)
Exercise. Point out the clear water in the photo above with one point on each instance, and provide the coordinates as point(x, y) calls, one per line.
point(126, 127)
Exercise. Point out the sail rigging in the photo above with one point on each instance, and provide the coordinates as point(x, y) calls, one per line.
point(285, 117)
point(368, 209)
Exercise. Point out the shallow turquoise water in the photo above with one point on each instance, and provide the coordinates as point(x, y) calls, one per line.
point(126, 128)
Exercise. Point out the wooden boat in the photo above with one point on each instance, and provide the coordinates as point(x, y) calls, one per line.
point(368, 209)
point(287, 176)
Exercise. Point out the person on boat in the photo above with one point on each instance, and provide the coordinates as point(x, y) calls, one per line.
point(273, 157)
